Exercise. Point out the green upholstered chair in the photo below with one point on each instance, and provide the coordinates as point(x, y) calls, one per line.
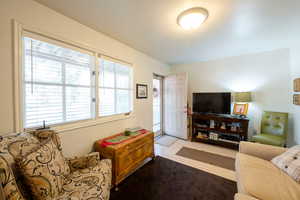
point(274, 128)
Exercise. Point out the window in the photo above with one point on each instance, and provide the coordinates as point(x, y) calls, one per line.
point(115, 87)
point(57, 84)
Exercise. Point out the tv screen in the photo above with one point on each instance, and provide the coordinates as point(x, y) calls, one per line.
point(218, 103)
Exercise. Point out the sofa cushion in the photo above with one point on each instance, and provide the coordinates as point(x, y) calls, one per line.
point(89, 183)
point(289, 162)
point(12, 146)
point(239, 196)
point(261, 179)
point(44, 169)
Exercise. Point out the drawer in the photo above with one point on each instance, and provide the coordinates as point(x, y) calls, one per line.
point(143, 152)
point(123, 162)
point(138, 154)
point(148, 149)
point(127, 162)
point(134, 145)
point(138, 143)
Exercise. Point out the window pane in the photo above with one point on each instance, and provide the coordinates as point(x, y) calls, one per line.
point(115, 93)
point(123, 101)
point(78, 75)
point(78, 103)
point(48, 69)
point(107, 74)
point(55, 52)
point(43, 70)
point(156, 101)
point(123, 74)
point(43, 102)
point(107, 102)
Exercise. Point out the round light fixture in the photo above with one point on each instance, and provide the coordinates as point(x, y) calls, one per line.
point(192, 18)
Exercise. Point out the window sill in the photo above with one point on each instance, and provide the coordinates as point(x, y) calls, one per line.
point(92, 122)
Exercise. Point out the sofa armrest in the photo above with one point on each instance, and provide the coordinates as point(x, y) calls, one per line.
point(239, 196)
point(266, 152)
point(83, 162)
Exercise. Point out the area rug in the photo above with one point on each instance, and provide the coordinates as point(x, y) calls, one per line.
point(164, 179)
point(166, 140)
point(207, 157)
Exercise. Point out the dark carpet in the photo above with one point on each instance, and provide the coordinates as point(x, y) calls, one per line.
point(164, 179)
point(207, 157)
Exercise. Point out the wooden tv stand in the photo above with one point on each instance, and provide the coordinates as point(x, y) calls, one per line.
point(219, 129)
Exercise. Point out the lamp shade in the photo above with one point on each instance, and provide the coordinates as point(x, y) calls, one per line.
point(242, 97)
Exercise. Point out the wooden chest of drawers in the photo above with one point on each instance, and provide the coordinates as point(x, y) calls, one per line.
point(127, 156)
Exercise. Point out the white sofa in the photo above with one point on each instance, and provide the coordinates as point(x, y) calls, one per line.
point(258, 178)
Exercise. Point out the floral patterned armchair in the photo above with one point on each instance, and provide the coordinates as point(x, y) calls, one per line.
point(90, 177)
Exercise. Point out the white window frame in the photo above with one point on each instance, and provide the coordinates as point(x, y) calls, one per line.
point(63, 84)
point(19, 29)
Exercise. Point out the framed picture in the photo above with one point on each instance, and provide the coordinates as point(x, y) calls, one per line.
point(240, 108)
point(141, 91)
point(297, 85)
point(296, 99)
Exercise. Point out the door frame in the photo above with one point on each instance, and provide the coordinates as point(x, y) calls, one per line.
point(161, 80)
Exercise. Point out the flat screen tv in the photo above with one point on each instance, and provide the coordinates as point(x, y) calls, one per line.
point(218, 103)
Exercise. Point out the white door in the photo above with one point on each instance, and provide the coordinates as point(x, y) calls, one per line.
point(175, 105)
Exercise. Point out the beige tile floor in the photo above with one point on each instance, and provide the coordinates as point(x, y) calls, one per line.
point(170, 153)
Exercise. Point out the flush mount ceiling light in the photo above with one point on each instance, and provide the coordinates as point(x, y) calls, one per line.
point(192, 18)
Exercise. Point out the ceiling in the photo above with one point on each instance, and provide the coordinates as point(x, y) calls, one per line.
point(234, 27)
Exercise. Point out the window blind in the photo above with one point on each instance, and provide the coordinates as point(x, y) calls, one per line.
point(115, 87)
point(57, 84)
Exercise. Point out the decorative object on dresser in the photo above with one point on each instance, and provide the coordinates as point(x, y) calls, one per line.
point(241, 105)
point(141, 91)
point(127, 153)
point(228, 130)
point(240, 109)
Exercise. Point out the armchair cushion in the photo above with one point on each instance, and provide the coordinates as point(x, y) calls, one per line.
point(45, 134)
point(274, 123)
point(44, 169)
point(12, 146)
point(83, 162)
point(269, 139)
point(90, 183)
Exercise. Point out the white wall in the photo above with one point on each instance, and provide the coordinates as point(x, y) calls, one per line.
point(28, 12)
point(295, 73)
point(266, 74)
